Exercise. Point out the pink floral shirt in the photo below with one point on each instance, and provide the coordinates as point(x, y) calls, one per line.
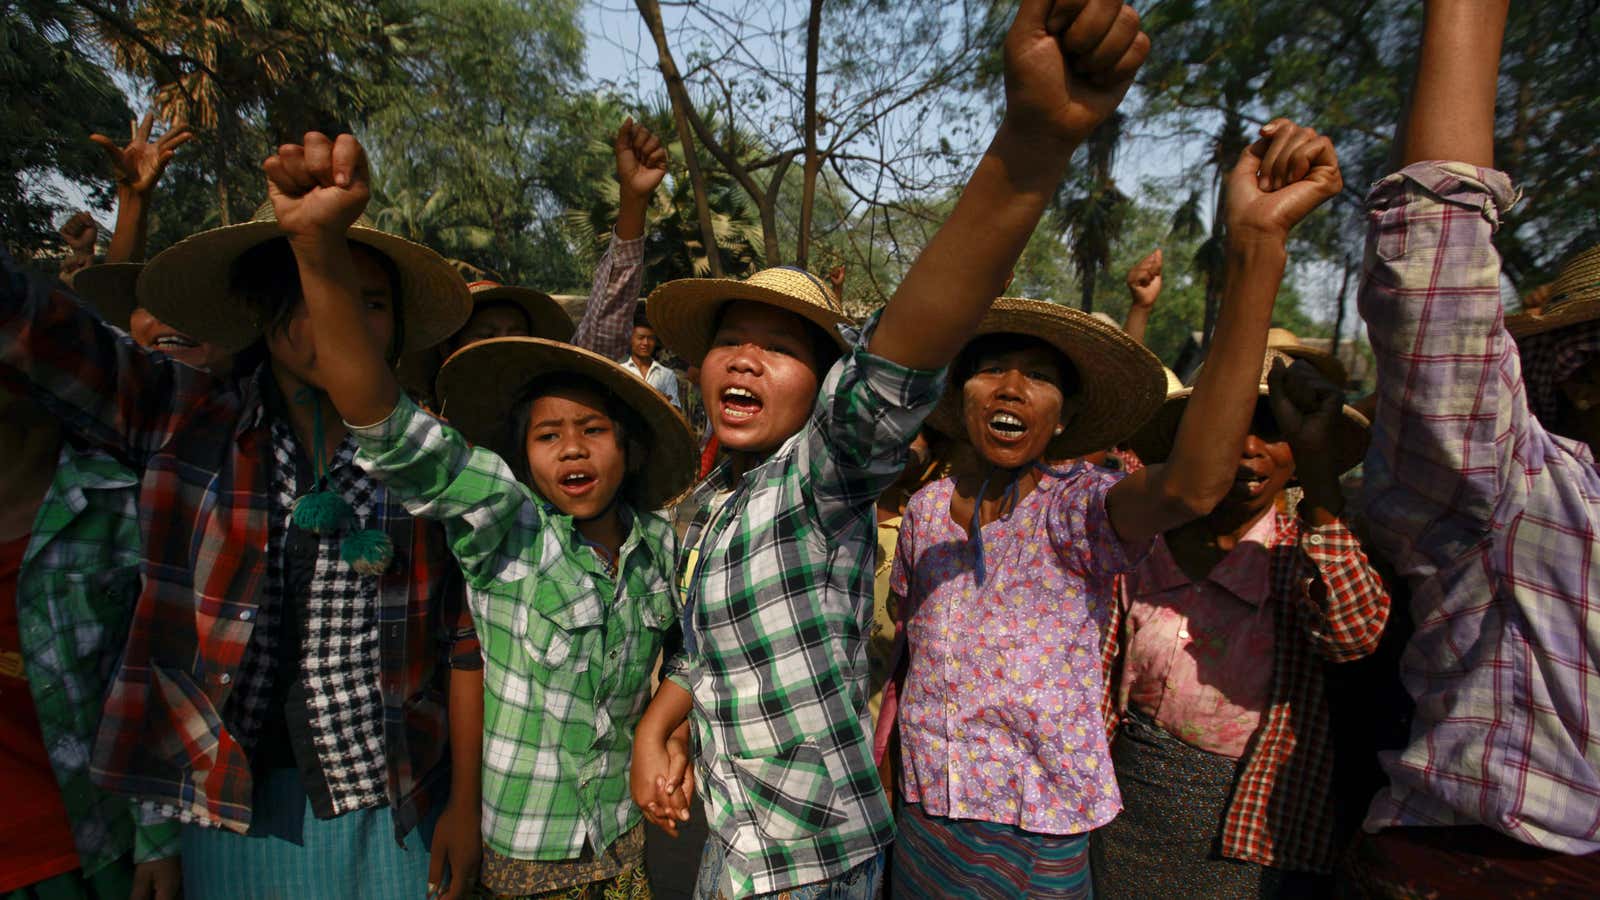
point(1199, 654)
point(1000, 713)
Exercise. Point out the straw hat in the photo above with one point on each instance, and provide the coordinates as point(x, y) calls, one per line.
point(109, 288)
point(187, 285)
point(481, 382)
point(1154, 441)
point(684, 312)
point(1574, 298)
point(1290, 345)
point(1120, 381)
point(547, 317)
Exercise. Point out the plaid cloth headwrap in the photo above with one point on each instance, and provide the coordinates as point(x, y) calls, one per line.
point(1552, 357)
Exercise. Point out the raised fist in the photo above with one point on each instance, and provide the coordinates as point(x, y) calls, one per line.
point(1306, 406)
point(1144, 280)
point(1279, 180)
point(1068, 64)
point(641, 160)
point(318, 188)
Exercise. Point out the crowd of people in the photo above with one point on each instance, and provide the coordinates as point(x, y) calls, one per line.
point(325, 573)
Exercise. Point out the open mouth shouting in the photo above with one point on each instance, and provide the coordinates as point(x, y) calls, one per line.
point(173, 341)
point(577, 483)
point(1007, 427)
point(1248, 482)
point(739, 405)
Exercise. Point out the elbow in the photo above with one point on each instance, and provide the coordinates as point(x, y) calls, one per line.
point(1188, 500)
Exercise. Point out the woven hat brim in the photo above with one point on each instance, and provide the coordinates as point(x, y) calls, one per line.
point(111, 288)
point(548, 318)
point(1153, 443)
point(1575, 298)
point(1120, 382)
point(684, 312)
point(479, 384)
point(187, 286)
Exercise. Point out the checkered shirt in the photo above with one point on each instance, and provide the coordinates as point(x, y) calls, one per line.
point(202, 445)
point(1551, 357)
point(75, 597)
point(778, 606)
point(569, 648)
point(1491, 518)
point(1330, 606)
point(607, 323)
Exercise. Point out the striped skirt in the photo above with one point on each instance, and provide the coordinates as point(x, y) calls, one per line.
point(963, 859)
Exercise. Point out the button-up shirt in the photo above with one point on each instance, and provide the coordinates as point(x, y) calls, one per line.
point(1491, 518)
point(1000, 713)
point(569, 647)
point(778, 608)
point(663, 379)
point(202, 444)
point(1327, 604)
point(75, 598)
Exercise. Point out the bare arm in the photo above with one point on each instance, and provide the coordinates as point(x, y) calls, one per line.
point(607, 320)
point(137, 167)
point(1451, 116)
point(1144, 286)
point(317, 190)
point(457, 849)
point(1068, 64)
point(1277, 182)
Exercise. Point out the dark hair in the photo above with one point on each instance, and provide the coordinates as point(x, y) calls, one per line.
point(266, 279)
point(630, 428)
point(966, 364)
point(823, 347)
point(453, 343)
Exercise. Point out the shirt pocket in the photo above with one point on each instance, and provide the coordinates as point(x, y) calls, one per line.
point(91, 612)
point(790, 794)
point(551, 627)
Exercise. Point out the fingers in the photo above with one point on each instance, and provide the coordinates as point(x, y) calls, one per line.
point(319, 159)
point(142, 133)
point(349, 161)
point(623, 142)
point(1292, 154)
point(112, 148)
point(436, 861)
point(1090, 27)
point(1113, 45)
point(175, 137)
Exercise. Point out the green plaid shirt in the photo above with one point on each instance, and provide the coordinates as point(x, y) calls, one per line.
point(778, 606)
point(75, 597)
point(568, 648)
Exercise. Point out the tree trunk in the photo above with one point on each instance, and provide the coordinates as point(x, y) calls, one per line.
point(808, 189)
point(678, 95)
point(1338, 315)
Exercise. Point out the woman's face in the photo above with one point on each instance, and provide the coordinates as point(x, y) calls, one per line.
point(1012, 404)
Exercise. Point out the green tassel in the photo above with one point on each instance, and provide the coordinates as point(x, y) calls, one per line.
point(321, 512)
point(369, 552)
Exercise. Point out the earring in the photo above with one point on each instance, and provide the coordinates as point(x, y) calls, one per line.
point(1059, 429)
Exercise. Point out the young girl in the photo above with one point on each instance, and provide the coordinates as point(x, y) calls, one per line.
point(1006, 569)
point(569, 574)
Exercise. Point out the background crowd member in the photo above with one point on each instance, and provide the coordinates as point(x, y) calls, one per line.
point(1487, 513)
point(793, 797)
point(641, 361)
point(1144, 286)
point(1222, 746)
point(256, 657)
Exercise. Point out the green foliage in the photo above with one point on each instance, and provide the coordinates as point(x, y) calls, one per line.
point(53, 95)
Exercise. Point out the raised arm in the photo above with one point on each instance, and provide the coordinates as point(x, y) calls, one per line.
point(1451, 116)
point(608, 319)
point(1068, 64)
point(1144, 286)
point(137, 167)
point(1277, 181)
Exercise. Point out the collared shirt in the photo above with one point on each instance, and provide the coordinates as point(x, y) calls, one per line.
point(1193, 650)
point(202, 443)
point(569, 647)
point(75, 598)
point(778, 607)
point(1328, 604)
point(663, 379)
point(1000, 712)
point(1491, 518)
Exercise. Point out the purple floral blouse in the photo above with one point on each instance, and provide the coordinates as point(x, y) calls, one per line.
point(1000, 714)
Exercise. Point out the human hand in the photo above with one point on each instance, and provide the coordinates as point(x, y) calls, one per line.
point(457, 852)
point(651, 783)
point(641, 160)
point(138, 165)
point(1306, 405)
point(1279, 180)
point(1068, 64)
point(157, 879)
point(1144, 280)
point(318, 189)
point(836, 279)
point(80, 232)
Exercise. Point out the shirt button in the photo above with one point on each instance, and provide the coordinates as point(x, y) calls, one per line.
point(1314, 540)
point(244, 615)
point(1183, 634)
point(226, 678)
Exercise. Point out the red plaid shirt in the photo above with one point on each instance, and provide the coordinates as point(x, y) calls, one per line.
point(1331, 606)
point(203, 446)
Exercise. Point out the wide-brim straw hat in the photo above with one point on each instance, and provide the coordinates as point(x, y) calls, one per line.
point(1289, 344)
point(1120, 382)
point(546, 317)
point(188, 285)
point(1153, 443)
point(1574, 298)
point(684, 312)
point(480, 383)
point(110, 289)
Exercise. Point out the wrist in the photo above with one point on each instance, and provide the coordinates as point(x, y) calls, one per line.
point(127, 194)
point(320, 248)
point(1033, 154)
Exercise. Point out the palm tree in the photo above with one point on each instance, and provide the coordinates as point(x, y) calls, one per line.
point(1095, 216)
